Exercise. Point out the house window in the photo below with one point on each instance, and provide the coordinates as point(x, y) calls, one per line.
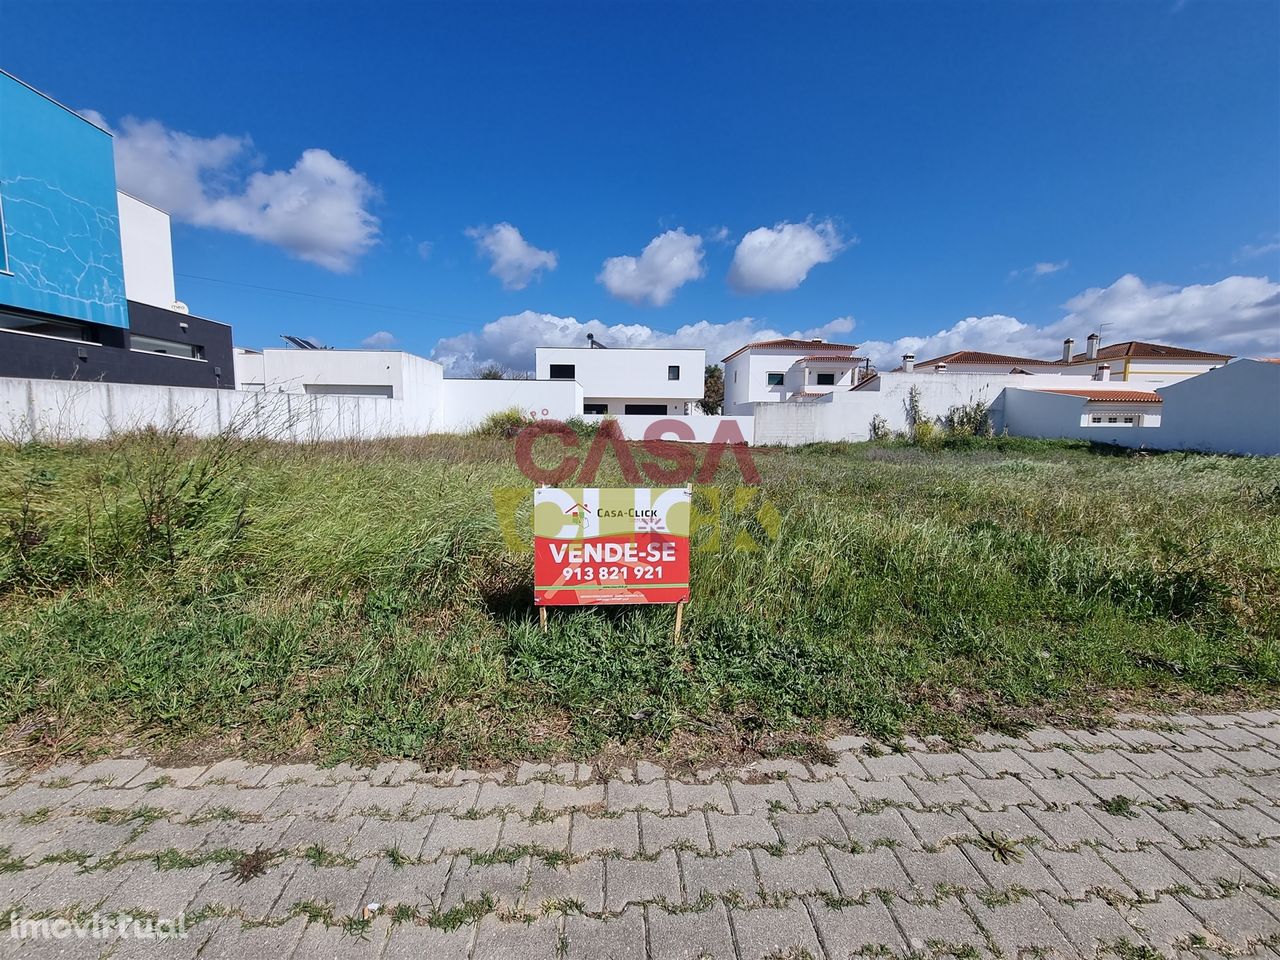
point(775, 379)
point(563, 371)
point(673, 372)
point(46, 327)
point(646, 408)
point(826, 379)
point(1115, 420)
point(595, 408)
point(169, 348)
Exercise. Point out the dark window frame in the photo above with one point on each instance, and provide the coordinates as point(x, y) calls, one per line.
point(673, 371)
point(40, 326)
point(182, 350)
point(645, 409)
point(829, 381)
point(780, 382)
point(598, 409)
point(557, 371)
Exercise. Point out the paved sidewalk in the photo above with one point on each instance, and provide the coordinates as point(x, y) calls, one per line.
point(1161, 835)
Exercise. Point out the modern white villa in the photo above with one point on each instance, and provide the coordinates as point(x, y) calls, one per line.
point(626, 380)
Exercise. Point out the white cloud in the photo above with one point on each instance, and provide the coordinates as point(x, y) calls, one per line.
point(1237, 315)
point(668, 262)
point(425, 248)
point(381, 340)
point(1251, 250)
point(780, 257)
point(515, 261)
point(317, 211)
point(1041, 269)
point(510, 341)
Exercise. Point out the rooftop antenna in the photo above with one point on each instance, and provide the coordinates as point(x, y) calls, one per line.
point(595, 344)
point(1102, 325)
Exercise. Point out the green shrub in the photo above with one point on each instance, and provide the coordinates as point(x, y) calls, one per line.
point(970, 419)
point(502, 423)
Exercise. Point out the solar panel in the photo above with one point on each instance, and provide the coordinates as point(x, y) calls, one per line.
point(303, 343)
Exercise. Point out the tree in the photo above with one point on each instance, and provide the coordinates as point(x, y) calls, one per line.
point(712, 402)
point(496, 371)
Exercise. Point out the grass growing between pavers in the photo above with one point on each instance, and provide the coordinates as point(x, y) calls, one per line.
point(359, 601)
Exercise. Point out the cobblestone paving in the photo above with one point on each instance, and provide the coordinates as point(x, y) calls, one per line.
point(1158, 836)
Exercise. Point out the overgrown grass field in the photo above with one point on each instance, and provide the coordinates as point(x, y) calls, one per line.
point(361, 601)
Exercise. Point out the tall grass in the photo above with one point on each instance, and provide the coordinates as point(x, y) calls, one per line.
point(360, 600)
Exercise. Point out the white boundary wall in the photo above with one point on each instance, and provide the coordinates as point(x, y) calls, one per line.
point(70, 410)
point(1233, 409)
point(847, 414)
point(61, 410)
point(465, 403)
point(699, 429)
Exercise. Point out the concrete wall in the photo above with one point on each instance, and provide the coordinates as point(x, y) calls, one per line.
point(1028, 413)
point(621, 372)
point(147, 248)
point(700, 429)
point(466, 403)
point(847, 414)
point(58, 410)
point(1233, 409)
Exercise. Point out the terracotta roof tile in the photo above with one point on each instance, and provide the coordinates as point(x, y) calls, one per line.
point(791, 342)
point(977, 356)
point(1120, 396)
point(1139, 350)
point(834, 358)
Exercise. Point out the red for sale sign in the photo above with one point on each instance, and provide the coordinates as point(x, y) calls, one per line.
point(597, 546)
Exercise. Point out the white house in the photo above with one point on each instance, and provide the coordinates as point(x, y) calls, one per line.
point(1132, 361)
point(427, 400)
point(771, 371)
point(1151, 364)
point(622, 380)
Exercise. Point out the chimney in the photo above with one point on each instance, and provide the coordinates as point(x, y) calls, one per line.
point(1091, 347)
point(939, 368)
point(1104, 372)
point(908, 363)
point(1067, 345)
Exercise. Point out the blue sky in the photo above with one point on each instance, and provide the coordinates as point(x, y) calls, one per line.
point(908, 166)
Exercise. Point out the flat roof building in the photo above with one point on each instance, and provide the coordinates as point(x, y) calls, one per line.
point(86, 272)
